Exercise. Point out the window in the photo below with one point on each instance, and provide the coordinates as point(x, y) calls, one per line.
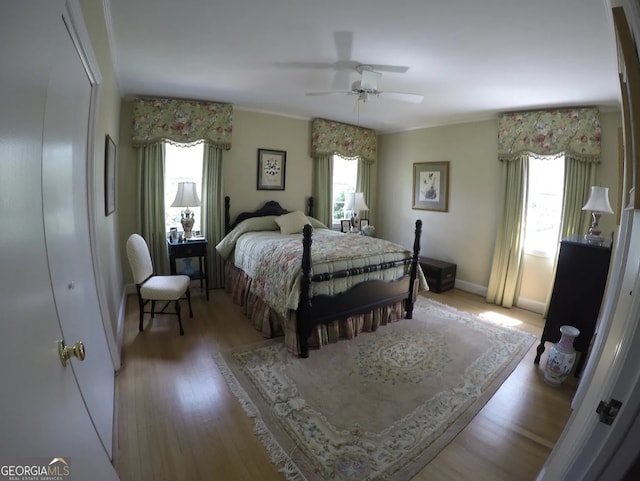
point(345, 174)
point(183, 163)
point(544, 206)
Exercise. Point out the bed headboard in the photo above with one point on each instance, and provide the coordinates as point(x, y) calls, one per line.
point(269, 208)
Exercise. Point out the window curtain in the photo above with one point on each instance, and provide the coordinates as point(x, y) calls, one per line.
point(151, 204)
point(158, 120)
point(328, 138)
point(574, 132)
point(579, 176)
point(363, 184)
point(213, 211)
point(509, 248)
point(322, 188)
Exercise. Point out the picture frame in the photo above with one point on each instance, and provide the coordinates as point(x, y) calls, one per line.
point(272, 166)
point(109, 176)
point(364, 223)
point(431, 186)
point(345, 225)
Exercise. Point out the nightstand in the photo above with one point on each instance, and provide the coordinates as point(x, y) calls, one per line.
point(186, 250)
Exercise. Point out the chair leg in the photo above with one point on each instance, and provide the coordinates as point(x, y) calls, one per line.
point(153, 308)
point(141, 307)
point(188, 294)
point(179, 317)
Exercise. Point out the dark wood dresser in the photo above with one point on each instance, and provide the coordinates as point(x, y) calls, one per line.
point(581, 276)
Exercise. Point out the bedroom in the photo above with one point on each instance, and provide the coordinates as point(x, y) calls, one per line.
point(257, 130)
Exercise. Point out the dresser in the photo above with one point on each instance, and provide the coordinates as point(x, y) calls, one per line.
point(581, 276)
point(187, 250)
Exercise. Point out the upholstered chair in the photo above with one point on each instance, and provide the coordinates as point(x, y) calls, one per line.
point(151, 287)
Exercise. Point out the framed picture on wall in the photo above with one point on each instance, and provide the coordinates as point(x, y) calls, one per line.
point(109, 176)
point(271, 169)
point(431, 186)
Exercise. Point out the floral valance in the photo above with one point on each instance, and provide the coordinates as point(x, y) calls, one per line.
point(329, 137)
point(181, 121)
point(575, 132)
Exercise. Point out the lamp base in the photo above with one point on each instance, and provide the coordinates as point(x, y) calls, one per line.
point(594, 236)
point(597, 239)
point(187, 223)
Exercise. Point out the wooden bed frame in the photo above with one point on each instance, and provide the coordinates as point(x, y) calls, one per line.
point(359, 299)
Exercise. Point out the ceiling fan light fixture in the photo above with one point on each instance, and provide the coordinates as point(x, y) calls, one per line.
point(370, 80)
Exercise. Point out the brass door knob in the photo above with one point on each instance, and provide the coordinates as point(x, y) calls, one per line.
point(65, 352)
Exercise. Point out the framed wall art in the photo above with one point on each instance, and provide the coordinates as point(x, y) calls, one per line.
point(431, 186)
point(109, 176)
point(271, 169)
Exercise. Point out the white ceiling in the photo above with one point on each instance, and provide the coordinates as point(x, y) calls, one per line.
point(469, 58)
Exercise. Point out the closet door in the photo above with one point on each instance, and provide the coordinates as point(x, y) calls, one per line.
point(43, 415)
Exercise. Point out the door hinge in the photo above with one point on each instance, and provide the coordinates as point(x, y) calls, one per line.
point(608, 410)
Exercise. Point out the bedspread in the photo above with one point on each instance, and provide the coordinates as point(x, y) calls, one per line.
point(274, 262)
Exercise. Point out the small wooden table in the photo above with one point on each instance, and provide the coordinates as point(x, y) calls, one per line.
point(186, 250)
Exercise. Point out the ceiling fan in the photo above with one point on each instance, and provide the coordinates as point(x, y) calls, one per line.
point(368, 86)
point(345, 65)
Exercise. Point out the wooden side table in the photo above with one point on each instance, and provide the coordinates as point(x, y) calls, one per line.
point(186, 250)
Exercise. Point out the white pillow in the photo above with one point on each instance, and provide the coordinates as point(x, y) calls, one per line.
point(292, 223)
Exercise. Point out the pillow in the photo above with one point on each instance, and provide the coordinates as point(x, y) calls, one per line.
point(292, 223)
point(316, 224)
point(253, 224)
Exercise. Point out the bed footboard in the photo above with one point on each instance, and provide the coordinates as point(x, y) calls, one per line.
point(361, 298)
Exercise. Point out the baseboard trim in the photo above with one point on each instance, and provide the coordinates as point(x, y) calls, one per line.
point(521, 302)
point(471, 287)
point(530, 305)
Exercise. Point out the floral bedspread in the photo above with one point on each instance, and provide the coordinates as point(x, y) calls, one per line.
point(274, 262)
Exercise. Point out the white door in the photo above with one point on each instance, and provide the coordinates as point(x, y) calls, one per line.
point(66, 225)
point(42, 410)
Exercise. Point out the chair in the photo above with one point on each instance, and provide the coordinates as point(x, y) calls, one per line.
point(154, 288)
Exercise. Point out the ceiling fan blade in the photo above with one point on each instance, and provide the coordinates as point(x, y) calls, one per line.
point(344, 42)
point(403, 96)
point(389, 68)
point(341, 79)
point(332, 92)
point(310, 65)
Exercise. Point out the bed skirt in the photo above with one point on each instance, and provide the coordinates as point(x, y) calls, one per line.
point(272, 324)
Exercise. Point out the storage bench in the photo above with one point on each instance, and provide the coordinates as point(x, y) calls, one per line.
point(441, 275)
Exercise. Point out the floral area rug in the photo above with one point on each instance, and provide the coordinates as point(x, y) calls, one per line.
point(379, 406)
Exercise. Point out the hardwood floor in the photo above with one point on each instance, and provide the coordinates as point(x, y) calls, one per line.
point(177, 420)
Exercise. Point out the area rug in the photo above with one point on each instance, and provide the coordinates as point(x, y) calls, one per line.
point(379, 406)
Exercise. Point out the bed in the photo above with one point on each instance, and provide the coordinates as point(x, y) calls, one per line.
point(297, 278)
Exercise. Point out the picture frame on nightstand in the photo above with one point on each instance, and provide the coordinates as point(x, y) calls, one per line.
point(345, 225)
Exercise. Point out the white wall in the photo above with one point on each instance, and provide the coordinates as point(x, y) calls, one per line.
point(107, 248)
point(466, 233)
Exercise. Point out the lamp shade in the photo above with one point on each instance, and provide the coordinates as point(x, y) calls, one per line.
point(358, 202)
point(599, 200)
point(187, 196)
point(349, 201)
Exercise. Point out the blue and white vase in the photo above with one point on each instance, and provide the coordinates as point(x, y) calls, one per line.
point(561, 357)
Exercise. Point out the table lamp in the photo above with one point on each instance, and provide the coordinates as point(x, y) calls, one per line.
point(357, 204)
point(598, 203)
point(186, 197)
